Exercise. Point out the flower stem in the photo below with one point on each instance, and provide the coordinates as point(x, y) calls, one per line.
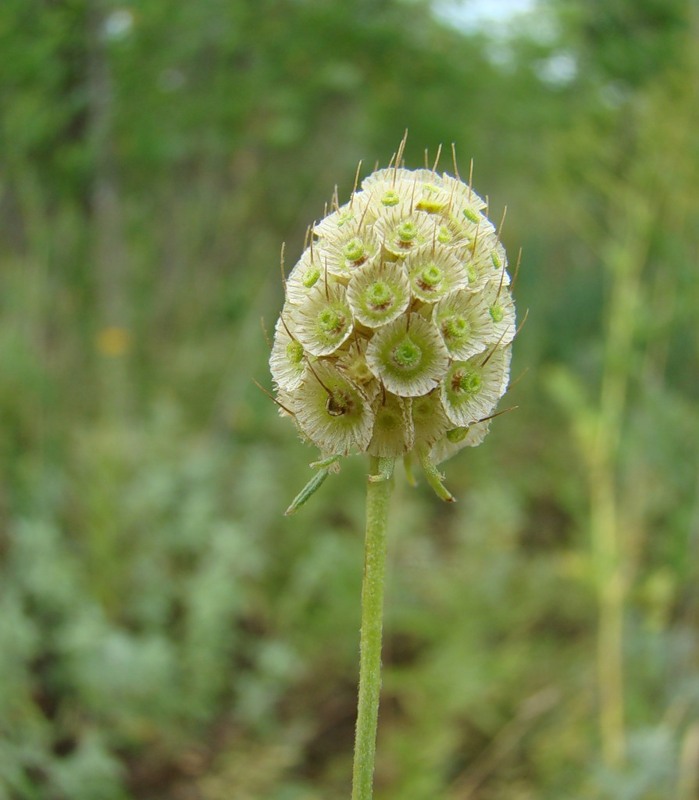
point(378, 495)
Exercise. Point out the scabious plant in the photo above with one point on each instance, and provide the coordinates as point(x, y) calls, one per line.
point(397, 325)
point(394, 340)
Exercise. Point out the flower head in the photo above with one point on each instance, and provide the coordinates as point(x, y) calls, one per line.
point(398, 321)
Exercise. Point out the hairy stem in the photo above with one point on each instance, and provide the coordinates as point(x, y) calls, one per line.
point(378, 495)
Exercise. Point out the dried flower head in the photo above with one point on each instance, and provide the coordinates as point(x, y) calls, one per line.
point(398, 320)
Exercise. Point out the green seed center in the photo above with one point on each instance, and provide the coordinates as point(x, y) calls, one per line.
point(466, 382)
point(331, 321)
point(354, 250)
point(406, 354)
point(497, 313)
point(430, 276)
point(456, 329)
point(311, 276)
point(390, 198)
point(444, 235)
point(379, 296)
point(294, 352)
point(406, 231)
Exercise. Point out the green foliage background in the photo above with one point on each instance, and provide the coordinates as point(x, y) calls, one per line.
point(164, 631)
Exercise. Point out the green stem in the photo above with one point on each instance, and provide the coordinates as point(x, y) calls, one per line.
point(378, 495)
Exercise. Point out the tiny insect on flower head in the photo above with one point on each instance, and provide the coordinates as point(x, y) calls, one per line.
point(324, 320)
point(378, 293)
point(332, 411)
point(408, 356)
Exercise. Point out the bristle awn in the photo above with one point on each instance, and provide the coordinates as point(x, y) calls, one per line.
point(273, 398)
point(475, 239)
point(286, 327)
point(412, 196)
point(500, 285)
point(363, 217)
point(502, 222)
point(516, 273)
point(281, 266)
point(518, 378)
point(453, 158)
point(452, 195)
point(494, 349)
point(436, 161)
point(521, 324)
point(497, 414)
point(356, 183)
point(401, 149)
point(393, 165)
point(317, 377)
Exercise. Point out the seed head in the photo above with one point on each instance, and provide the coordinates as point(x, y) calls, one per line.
point(398, 320)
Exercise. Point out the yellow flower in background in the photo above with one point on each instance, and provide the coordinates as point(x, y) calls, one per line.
point(113, 341)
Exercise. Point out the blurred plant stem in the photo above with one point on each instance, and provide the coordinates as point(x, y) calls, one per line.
point(623, 258)
point(688, 778)
point(108, 248)
point(378, 496)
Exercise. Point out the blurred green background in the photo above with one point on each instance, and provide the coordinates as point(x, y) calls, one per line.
point(164, 631)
